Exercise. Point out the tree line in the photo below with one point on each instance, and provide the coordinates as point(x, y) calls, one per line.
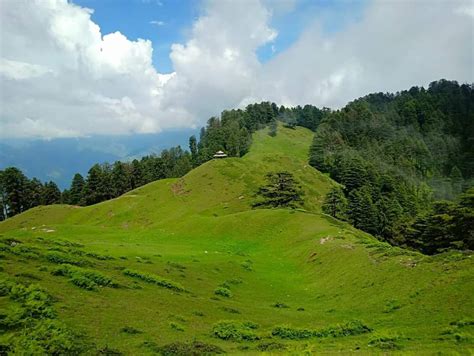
point(399, 157)
point(230, 132)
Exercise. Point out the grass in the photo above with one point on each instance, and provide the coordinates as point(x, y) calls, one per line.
point(157, 241)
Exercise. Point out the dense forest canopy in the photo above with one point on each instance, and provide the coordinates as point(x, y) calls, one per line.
point(396, 156)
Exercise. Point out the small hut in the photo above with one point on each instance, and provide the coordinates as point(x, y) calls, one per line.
point(219, 154)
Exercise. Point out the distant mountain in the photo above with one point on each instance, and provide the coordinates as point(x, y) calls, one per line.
point(59, 159)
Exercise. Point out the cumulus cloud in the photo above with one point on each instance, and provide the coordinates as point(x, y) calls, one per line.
point(394, 46)
point(60, 76)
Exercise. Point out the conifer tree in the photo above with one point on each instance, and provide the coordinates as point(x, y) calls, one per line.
point(335, 204)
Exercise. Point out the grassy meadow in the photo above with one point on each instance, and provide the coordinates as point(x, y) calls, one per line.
point(186, 265)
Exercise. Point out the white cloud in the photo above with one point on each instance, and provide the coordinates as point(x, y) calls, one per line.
point(394, 46)
point(157, 23)
point(60, 76)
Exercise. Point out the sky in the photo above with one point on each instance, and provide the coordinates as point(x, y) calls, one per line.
point(126, 67)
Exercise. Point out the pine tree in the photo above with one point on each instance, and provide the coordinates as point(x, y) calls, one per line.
point(281, 191)
point(51, 194)
point(76, 190)
point(194, 150)
point(362, 211)
point(94, 189)
point(15, 191)
point(335, 204)
point(120, 179)
point(36, 192)
point(136, 175)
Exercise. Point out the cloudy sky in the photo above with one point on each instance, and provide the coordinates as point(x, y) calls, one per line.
point(104, 67)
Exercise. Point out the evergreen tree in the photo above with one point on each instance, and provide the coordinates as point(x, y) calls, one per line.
point(14, 191)
point(76, 190)
point(120, 179)
point(362, 211)
point(335, 204)
point(281, 191)
point(273, 128)
point(36, 192)
point(194, 150)
point(136, 175)
point(51, 194)
point(94, 189)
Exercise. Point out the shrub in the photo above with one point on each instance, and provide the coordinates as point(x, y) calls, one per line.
point(48, 337)
point(84, 278)
point(230, 310)
point(235, 331)
point(225, 292)
point(384, 342)
point(61, 258)
point(280, 305)
point(154, 279)
point(130, 330)
point(271, 346)
point(188, 348)
point(287, 332)
point(351, 328)
point(176, 326)
point(247, 265)
point(463, 322)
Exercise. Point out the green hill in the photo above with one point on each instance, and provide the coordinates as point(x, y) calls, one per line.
point(187, 260)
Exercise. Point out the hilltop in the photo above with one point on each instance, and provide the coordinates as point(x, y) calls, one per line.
point(189, 259)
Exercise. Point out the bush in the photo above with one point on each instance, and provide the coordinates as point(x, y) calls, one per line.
point(188, 348)
point(271, 346)
point(235, 331)
point(130, 330)
point(225, 292)
point(287, 332)
point(154, 279)
point(351, 328)
point(247, 265)
point(176, 326)
point(48, 337)
point(280, 305)
point(384, 342)
point(61, 258)
point(84, 278)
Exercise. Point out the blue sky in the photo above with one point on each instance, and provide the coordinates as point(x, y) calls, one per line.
point(165, 22)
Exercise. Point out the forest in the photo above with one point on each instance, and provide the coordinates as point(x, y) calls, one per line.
point(404, 162)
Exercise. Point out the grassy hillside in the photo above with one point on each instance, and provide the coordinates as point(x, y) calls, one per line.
point(188, 259)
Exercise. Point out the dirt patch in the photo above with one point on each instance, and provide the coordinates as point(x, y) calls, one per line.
point(179, 188)
point(325, 239)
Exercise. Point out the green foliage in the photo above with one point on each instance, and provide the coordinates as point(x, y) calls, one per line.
point(235, 331)
point(335, 204)
point(154, 279)
point(355, 327)
point(448, 225)
point(392, 153)
point(62, 258)
point(189, 348)
point(130, 330)
point(280, 305)
point(84, 278)
point(281, 191)
point(385, 342)
point(271, 346)
point(32, 321)
point(176, 326)
point(222, 291)
point(49, 337)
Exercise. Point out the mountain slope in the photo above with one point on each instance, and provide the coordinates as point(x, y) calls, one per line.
point(298, 268)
